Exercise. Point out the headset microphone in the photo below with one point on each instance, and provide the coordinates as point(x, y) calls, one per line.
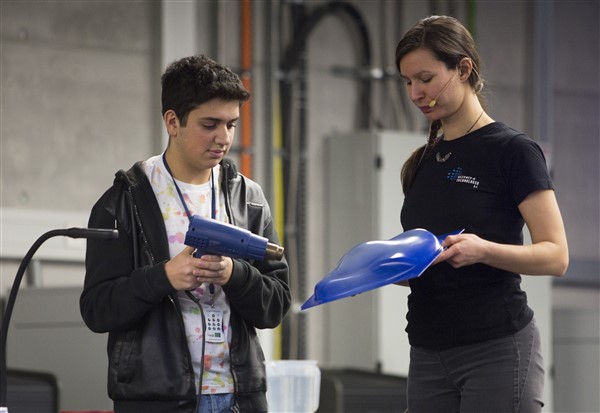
point(433, 102)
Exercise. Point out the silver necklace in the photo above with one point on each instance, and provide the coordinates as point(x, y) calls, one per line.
point(442, 159)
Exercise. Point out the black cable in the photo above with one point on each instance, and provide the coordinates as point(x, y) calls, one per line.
point(72, 233)
point(292, 337)
point(295, 50)
point(294, 60)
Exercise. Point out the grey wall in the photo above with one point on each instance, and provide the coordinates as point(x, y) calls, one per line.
point(78, 102)
point(79, 84)
point(80, 99)
point(576, 126)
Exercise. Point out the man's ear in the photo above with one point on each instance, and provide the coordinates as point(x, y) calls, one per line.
point(171, 122)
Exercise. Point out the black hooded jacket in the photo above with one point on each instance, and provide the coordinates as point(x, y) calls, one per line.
point(127, 294)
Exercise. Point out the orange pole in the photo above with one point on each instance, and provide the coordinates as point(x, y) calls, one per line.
point(246, 110)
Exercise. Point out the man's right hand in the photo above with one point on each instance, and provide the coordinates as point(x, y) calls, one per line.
point(183, 270)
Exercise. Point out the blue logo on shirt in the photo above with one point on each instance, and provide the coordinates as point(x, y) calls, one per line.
point(456, 175)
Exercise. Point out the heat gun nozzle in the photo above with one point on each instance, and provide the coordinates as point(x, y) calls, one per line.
point(273, 252)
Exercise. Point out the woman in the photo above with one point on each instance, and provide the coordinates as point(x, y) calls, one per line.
point(474, 343)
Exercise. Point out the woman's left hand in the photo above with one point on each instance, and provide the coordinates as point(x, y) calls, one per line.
point(463, 249)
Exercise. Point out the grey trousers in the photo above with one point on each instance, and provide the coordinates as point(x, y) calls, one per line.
point(505, 375)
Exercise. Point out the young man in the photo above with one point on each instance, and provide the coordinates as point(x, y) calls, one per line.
point(148, 290)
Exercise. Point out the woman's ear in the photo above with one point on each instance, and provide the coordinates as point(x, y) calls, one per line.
point(465, 67)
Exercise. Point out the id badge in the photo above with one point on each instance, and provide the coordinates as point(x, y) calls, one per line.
point(214, 326)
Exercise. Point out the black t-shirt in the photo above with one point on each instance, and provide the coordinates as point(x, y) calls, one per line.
point(476, 184)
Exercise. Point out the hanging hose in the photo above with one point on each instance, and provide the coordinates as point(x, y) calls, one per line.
point(295, 50)
point(294, 130)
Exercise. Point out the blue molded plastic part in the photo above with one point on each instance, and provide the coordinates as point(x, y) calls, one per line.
point(374, 264)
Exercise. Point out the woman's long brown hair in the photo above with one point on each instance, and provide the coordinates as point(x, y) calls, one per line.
point(450, 42)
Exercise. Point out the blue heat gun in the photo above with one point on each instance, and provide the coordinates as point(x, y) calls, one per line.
point(213, 237)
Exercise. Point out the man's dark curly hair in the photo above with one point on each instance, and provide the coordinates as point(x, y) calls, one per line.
point(191, 81)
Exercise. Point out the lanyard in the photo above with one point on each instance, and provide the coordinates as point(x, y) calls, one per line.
point(211, 287)
point(213, 201)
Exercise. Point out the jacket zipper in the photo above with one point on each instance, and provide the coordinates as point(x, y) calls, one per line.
point(226, 191)
point(139, 224)
point(225, 186)
point(182, 326)
point(143, 235)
